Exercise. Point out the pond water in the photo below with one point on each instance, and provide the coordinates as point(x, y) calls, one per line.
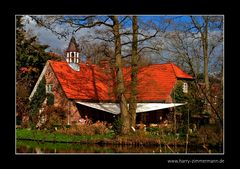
point(41, 148)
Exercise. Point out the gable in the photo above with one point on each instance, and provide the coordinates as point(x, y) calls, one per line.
point(39, 80)
point(90, 83)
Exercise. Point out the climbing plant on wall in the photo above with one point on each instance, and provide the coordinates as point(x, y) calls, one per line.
point(37, 100)
point(194, 102)
point(50, 99)
point(180, 97)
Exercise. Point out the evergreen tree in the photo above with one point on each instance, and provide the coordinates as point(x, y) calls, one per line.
point(30, 56)
point(30, 60)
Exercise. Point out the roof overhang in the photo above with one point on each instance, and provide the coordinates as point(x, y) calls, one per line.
point(114, 108)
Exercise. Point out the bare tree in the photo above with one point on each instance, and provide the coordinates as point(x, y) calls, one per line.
point(120, 79)
point(95, 51)
point(203, 30)
point(195, 45)
point(202, 24)
point(134, 72)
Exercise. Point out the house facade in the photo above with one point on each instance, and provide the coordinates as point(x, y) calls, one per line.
point(88, 89)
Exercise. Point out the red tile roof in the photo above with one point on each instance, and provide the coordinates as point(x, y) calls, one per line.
point(180, 73)
point(93, 83)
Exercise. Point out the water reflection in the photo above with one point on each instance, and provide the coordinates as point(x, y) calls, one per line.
point(40, 148)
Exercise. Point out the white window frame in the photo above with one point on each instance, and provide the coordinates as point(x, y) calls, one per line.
point(49, 88)
point(185, 87)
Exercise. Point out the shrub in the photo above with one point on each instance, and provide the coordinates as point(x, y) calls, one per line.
point(22, 109)
point(153, 130)
point(80, 130)
point(18, 120)
point(83, 129)
point(25, 124)
point(209, 134)
point(117, 125)
point(52, 117)
point(100, 128)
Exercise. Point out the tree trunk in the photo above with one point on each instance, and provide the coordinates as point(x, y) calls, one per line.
point(134, 65)
point(205, 53)
point(198, 65)
point(204, 36)
point(204, 40)
point(125, 128)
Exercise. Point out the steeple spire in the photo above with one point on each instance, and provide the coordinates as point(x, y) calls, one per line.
point(73, 51)
point(73, 46)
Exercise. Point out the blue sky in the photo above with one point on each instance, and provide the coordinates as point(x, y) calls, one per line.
point(47, 37)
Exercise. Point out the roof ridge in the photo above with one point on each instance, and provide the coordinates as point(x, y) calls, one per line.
point(173, 69)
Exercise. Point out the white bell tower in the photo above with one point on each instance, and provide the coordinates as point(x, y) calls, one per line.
point(73, 56)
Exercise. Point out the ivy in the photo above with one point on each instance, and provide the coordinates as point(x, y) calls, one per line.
point(37, 99)
point(117, 125)
point(178, 95)
point(50, 99)
point(195, 104)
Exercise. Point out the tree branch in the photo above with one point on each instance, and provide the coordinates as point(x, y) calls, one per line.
point(106, 40)
point(148, 47)
point(98, 23)
point(47, 26)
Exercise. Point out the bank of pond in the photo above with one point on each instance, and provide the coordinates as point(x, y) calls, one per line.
point(35, 147)
point(37, 141)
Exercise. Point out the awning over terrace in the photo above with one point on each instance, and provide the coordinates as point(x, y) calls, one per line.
point(114, 108)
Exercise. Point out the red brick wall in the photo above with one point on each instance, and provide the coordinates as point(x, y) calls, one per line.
point(60, 99)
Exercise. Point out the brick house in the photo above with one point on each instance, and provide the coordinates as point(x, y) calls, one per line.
point(88, 89)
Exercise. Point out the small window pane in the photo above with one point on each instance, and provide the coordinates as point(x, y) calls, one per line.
point(185, 88)
point(49, 88)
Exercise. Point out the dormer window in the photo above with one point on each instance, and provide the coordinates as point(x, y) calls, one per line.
point(49, 88)
point(185, 87)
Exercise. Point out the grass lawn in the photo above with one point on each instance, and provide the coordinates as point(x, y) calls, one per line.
point(46, 135)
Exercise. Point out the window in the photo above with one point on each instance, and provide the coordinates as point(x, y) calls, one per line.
point(49, 88)
point(185, 87)
point(72, 57)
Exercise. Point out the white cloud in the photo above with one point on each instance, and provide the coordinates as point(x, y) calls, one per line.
point(47, 37)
